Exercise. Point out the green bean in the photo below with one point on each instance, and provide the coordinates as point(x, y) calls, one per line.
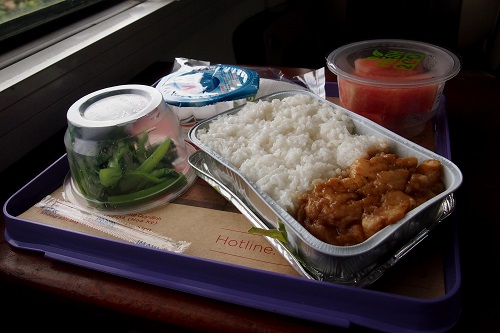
point(163, 187)
point(114, 161)
point(149, 164)
point(110, 176)
point(157, 176)
point(141, 146)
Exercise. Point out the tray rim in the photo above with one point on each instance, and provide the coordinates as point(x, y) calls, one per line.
point(420, 311)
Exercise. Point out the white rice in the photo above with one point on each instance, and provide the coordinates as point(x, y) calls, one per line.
point(286, 146)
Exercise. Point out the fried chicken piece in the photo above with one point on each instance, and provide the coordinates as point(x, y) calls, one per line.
point(394, 206)
point(426, 182)
point(378, 192)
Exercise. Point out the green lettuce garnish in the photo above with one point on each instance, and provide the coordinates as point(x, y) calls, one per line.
point(279, 234)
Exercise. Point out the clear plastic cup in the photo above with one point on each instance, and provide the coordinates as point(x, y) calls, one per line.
point(395, 83)
point(125, 151)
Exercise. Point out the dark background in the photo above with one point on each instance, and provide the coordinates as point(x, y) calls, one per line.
point(301, 34)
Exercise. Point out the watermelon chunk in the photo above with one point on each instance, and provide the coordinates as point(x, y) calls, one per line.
point(374, 67)
point(400, 109)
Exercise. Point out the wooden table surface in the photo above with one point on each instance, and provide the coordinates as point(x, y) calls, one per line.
point(38, 292)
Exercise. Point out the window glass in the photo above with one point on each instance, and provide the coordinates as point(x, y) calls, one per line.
point(19, 16)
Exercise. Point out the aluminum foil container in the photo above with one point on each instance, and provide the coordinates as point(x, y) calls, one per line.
point(356, 265)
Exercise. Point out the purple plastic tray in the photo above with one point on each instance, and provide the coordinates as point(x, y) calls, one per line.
point(322, 302)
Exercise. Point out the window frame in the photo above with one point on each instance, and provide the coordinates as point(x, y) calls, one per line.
point(42, 16)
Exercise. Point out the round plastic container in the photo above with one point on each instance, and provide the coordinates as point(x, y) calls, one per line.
point(205, 91)
point(125, 151)
point(396, 83)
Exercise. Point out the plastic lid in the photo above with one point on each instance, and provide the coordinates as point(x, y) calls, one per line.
point(205, 85)
point(393, 62)
point(114, 106)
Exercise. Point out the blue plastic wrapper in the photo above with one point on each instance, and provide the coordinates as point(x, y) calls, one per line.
point(206, 85)
point(196, 93)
